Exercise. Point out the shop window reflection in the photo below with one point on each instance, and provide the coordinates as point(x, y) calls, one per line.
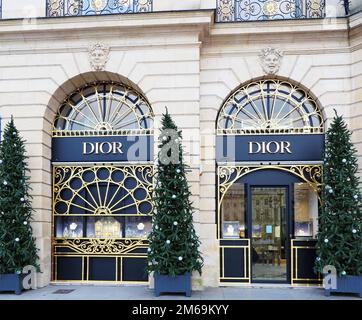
point(305, 211)
point(233, 212)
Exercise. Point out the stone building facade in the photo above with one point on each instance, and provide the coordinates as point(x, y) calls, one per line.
point(180, 55)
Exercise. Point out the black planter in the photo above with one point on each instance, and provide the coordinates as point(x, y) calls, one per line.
point(172, 284)
point(347, 284)
point(11, 282)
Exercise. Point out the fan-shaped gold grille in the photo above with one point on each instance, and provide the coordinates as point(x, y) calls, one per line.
point(270, 107)
point(104, 109)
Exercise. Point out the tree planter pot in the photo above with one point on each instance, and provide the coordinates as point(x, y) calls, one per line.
point(347, 284)
point(172, 284)
point(11, 282)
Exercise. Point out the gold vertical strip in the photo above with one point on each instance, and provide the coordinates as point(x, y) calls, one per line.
point(223, 262)
point(218, 205)
point(83, 268)
point(121, 270)
point(296, 263)
point(249, 261)
point(292, 262)
point(116, 269)
point(56, 268)
point(87, 268)
point(244, 249)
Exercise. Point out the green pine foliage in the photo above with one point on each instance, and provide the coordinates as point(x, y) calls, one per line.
point(174, 245)
point(17, 244)
point(340, 221)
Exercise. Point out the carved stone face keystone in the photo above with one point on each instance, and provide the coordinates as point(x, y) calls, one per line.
point(98, 56)
point(270, 60)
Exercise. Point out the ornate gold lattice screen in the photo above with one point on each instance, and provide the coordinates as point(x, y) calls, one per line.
point(102, 204)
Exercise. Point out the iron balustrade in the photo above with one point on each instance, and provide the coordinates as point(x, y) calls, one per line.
point(61, 8)
point(256, 10)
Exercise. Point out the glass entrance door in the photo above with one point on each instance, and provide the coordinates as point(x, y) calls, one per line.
point(269, 238)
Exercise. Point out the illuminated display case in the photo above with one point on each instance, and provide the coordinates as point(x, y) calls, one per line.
point(304, 229)
point(231, 229)
point(69, 227)
point(138, 227)
point(104, 227)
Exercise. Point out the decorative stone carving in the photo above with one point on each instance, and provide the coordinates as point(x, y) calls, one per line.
point(270, 60)
point(98, 56)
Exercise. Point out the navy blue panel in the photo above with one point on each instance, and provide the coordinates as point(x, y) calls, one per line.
point(69, 268)
point(234, 262)
point(84, 149)
point(269, 177)
point(305, 263)
point(307, 147)
point(134, 269)
point(102, 269)
point(236, 242)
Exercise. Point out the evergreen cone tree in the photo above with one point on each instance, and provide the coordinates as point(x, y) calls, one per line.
point(174, 245)
point(17, 245)
point(340, 221)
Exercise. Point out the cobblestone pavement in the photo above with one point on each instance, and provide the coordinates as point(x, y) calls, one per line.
point(92, 292)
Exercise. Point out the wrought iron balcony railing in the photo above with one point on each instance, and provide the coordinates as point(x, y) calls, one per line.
point(255, 10)
point(61, 8)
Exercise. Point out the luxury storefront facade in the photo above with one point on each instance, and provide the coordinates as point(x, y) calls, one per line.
point(269, 151)
point(253, 100)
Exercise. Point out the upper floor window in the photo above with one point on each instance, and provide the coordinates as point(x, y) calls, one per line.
point(104, 108)
point(253, 10)
point(95, 7)
point(270, 106)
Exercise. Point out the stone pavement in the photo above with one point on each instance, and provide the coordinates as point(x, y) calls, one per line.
point(102, 292)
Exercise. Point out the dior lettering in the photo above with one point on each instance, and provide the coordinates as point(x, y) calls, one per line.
point(102, 148)
point(271, 147)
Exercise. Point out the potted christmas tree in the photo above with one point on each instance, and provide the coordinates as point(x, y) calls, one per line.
point(17, 245)
point(174, 246)
point(340, 221)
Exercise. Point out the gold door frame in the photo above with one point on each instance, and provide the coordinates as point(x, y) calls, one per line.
point(228, 175)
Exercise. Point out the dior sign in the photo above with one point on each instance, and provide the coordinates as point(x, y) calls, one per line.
point(102, 148)
point(271, 147)
point(260, 148)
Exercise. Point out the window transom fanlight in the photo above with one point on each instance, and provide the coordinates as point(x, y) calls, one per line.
point(270, 107)
point(104, 109)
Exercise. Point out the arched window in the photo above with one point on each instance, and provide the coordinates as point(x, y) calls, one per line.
point(102, 109)
point(270, 106)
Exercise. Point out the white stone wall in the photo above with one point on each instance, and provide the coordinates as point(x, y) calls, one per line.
point(356, 85)
point(182, 60)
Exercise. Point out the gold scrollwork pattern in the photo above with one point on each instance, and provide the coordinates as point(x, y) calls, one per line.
point(103, 109)
point(100, 246)
point(270, 107)
point(102, 190)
